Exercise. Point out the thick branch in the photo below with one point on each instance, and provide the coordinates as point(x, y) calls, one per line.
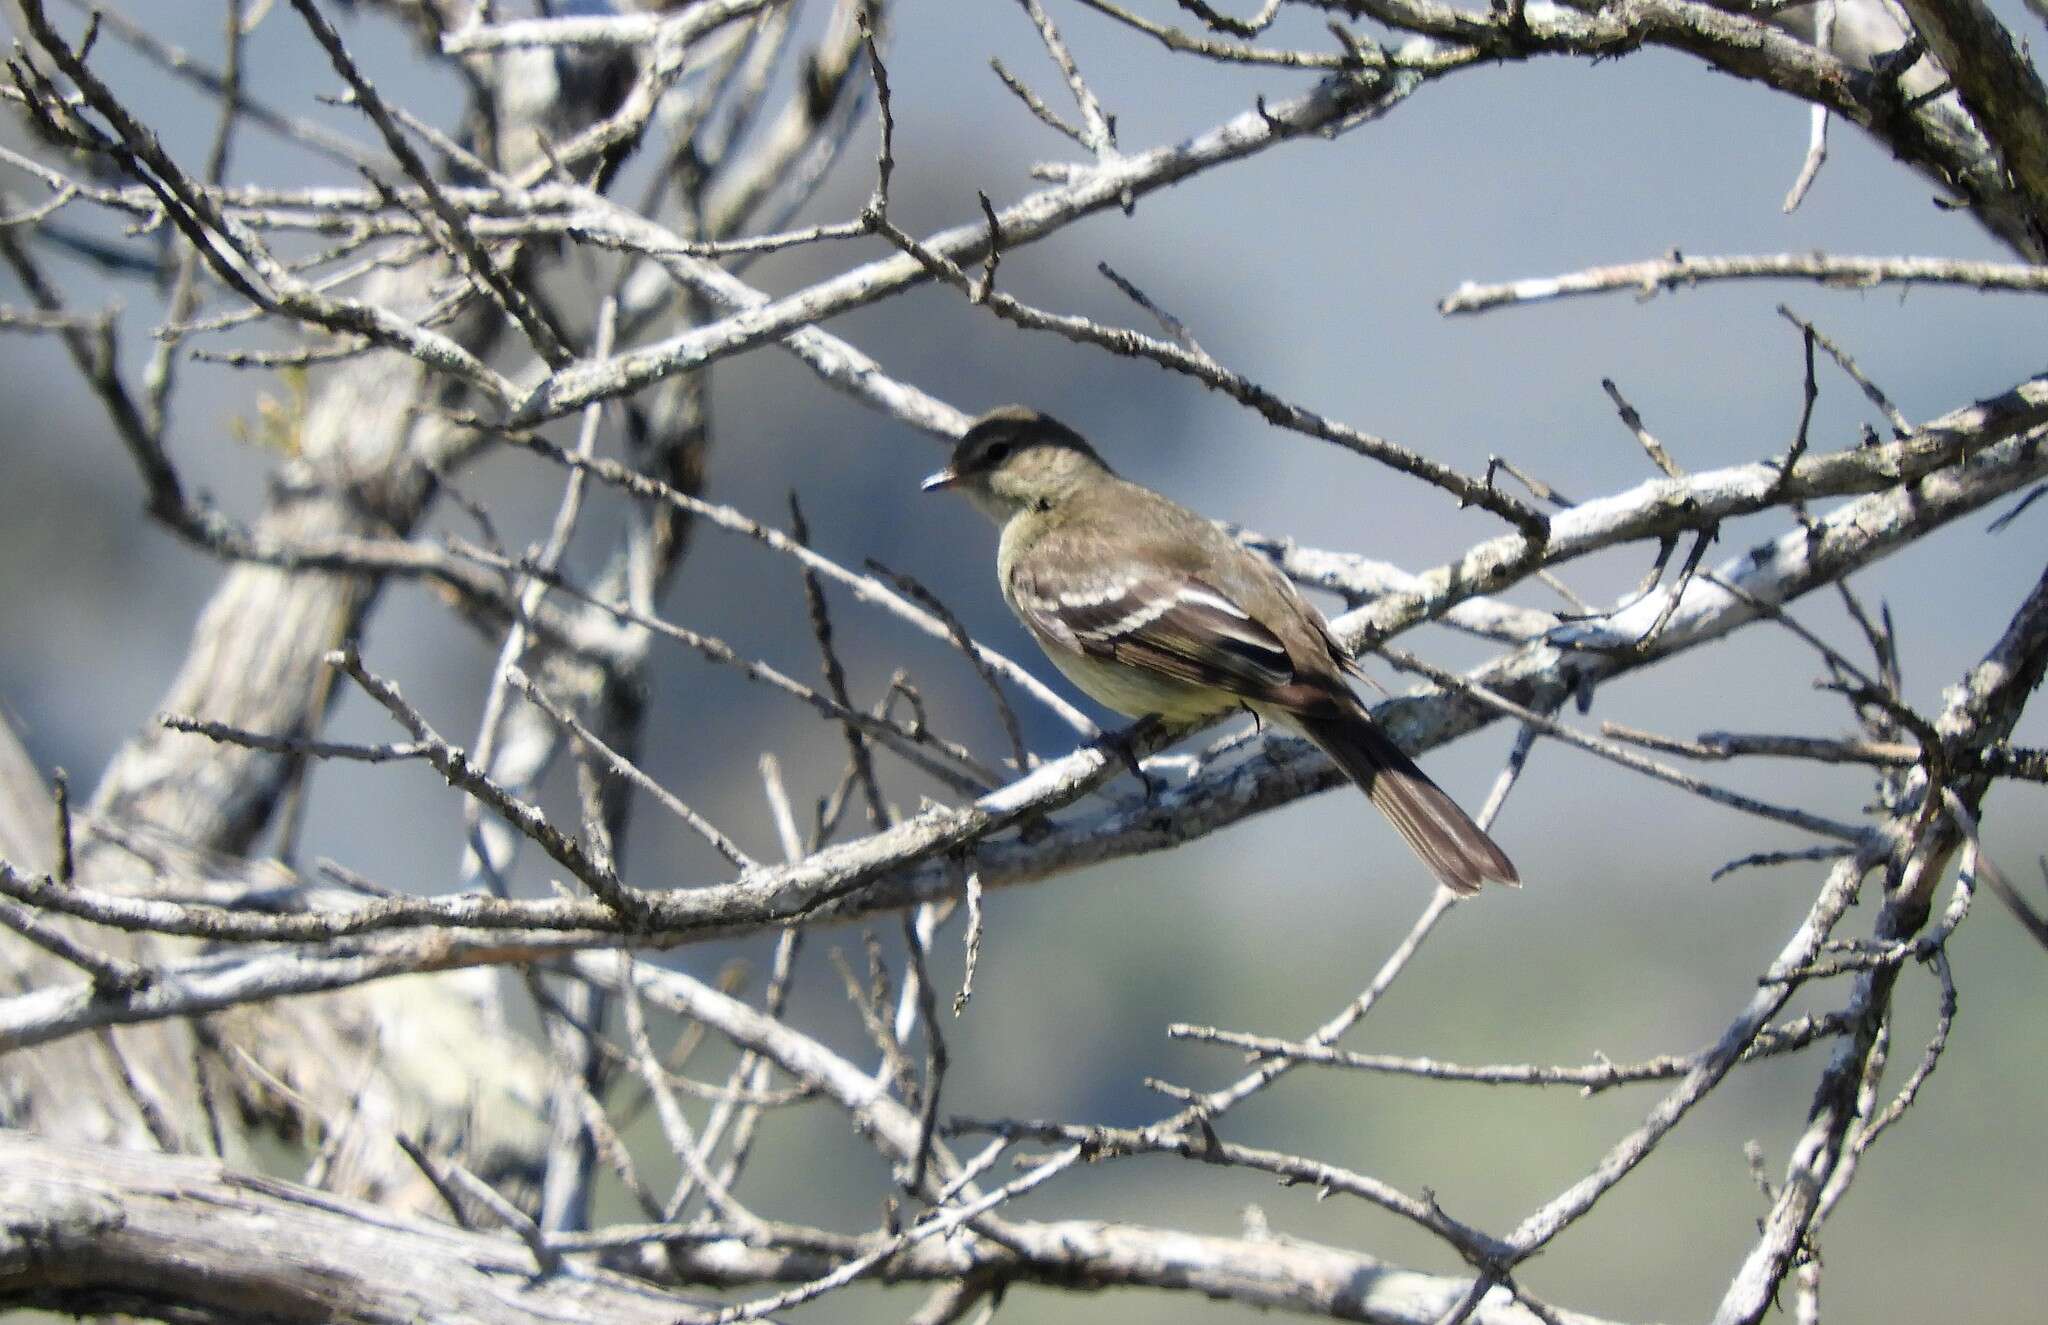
point(1998, 85)
point(90, 1230)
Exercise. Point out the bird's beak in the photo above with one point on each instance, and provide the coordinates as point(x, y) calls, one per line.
point(945, 478)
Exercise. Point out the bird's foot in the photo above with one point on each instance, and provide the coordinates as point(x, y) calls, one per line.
point(1124, 745)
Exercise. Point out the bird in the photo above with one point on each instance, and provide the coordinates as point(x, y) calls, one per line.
point(1154, 611)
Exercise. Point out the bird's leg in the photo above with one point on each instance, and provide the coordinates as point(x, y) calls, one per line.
point(1124, 745)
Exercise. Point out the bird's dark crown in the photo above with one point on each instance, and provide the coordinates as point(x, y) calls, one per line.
point(1002, 433)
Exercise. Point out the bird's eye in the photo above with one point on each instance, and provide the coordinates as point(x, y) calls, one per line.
point(996, 453)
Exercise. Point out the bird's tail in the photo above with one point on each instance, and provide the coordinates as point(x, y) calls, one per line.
point(1456, 850)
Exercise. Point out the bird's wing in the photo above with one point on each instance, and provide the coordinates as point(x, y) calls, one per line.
point(1152, 615)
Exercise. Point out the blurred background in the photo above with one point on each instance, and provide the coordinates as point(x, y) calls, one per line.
point(1314, 269)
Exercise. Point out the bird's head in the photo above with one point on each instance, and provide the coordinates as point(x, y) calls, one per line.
point(1015, 459)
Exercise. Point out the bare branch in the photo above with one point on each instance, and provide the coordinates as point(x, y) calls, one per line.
point(1648, 278)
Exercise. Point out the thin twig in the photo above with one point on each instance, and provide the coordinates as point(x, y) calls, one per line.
point(60, 793)
point(1633, 421)
point(113, 974)
point(1589, 1079)
point(973, 890)
point(926, 599)
point(835, 675)
point(1901, 426)
point(457, 767)
point(1098, 131)
point(1626, 758)
point(629, 770)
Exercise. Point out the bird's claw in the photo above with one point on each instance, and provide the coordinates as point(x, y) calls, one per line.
point(1124, 745)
